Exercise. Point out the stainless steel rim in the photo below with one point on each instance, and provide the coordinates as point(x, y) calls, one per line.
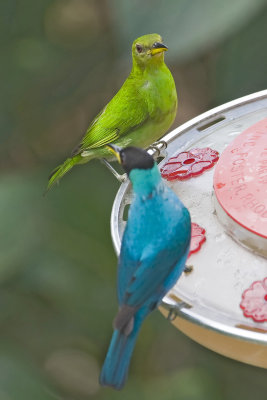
point(196, 314)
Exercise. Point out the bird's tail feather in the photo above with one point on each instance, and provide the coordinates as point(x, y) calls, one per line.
point(115, 369)
point(61, 170)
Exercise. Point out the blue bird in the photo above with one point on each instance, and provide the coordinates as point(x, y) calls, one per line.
point(154, 250)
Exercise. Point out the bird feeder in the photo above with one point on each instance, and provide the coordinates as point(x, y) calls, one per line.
point(217, 165)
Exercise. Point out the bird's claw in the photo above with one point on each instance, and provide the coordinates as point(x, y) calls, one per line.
point(158, 148)
point(172, 315)
point(160, 144)
point(174, 312)
point(188, 269)
point(122, 178)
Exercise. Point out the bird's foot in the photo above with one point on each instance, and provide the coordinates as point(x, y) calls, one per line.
point(175, 311)
point(121, 178)
point(158, 148)
point(188, 269)
point(172, 314)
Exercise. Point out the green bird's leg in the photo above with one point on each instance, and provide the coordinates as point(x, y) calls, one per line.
point(120, 178)
point(158, 148)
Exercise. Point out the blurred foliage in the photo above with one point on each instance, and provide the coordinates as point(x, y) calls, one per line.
point(190, 28)
point(61, 61)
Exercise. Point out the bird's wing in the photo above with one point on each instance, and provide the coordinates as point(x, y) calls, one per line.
point(124, 113)
point(148, 277)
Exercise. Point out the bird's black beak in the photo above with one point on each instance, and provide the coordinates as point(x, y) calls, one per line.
point(116, 150)
point(158, 48)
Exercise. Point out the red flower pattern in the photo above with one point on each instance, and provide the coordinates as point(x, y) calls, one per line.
point(197, 238)
point(254, 301)
point(189, 163)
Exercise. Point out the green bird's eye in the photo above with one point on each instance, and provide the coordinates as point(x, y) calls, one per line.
point(139, 48)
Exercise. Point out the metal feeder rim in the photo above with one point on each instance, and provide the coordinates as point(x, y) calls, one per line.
point(190, 314)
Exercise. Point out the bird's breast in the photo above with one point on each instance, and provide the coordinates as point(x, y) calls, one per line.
point(161, 97)
point(146, 85)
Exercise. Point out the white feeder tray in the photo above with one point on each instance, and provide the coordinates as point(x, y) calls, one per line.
point(205, 304)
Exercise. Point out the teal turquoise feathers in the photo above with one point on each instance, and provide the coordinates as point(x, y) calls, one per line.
point(154, 250)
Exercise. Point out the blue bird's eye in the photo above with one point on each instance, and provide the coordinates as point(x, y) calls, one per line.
point(122, 157)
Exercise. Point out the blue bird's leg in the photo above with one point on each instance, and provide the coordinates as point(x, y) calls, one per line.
point(188, 269)
point(172, 315)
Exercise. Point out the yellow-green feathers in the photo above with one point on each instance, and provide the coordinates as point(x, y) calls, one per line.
point(140, 113)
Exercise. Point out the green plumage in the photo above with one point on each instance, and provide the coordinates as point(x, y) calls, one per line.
point(139, 114)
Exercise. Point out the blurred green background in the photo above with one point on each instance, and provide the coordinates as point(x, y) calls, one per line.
point(61, 61)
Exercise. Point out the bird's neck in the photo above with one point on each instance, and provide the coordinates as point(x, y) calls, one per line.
point(156, 63)
point(146, 181)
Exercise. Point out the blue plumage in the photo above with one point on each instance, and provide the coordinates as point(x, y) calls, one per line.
point(154, 250)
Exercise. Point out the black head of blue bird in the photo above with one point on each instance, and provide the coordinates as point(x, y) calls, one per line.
point(132, 157)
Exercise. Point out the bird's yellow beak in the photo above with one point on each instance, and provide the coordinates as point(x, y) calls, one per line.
point(158, 48)
point(115, 150)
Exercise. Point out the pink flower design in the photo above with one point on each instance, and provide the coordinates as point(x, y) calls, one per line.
point(254, 301)
point(189, 163)
point(197, 238)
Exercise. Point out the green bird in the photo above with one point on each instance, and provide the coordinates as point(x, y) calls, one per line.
point(140, 113)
